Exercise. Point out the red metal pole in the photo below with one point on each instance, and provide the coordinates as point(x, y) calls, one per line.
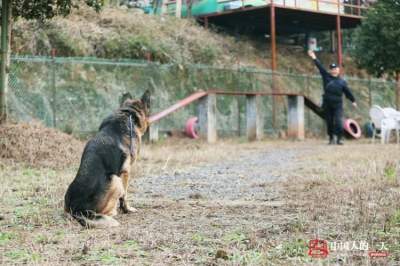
point(339, 40)
point(273, 60)
point(273, 38)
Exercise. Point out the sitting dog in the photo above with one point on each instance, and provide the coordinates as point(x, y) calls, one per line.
point(101, 184)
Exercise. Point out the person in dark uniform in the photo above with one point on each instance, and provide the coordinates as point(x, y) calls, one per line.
point(332, 99)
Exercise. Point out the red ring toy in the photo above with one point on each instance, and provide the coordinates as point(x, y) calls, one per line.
point(352, 128)
point(190, 128)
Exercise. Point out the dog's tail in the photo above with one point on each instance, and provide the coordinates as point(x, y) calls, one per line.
point(95, 220)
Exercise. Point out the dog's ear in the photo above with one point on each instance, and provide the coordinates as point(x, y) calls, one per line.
point(146, 99)
point(124, 97)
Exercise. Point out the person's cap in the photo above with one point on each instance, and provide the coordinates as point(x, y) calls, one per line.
point(333, 65)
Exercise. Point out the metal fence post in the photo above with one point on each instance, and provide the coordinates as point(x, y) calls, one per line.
point(238, 111)
point(397, 89)
point(53, 87)
point(369, 93)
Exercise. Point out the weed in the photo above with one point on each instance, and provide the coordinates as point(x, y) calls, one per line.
point(21, 255)
point(6, 237)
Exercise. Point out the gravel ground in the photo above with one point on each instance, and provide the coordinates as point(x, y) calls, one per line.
point(244, 177)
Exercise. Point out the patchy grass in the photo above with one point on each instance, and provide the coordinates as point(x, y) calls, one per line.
point(350, 195)
point(338, 194)
point(5, 238)
point(22, 256)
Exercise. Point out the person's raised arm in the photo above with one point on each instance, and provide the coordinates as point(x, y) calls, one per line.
point(320, 67)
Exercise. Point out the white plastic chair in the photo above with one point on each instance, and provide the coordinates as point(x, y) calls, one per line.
point(391, 112)
point(385, 120)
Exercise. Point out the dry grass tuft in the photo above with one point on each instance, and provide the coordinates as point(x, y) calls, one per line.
point(38, 146)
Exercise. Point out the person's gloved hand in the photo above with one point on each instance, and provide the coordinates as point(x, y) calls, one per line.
point(312, 54)
point(354, 104)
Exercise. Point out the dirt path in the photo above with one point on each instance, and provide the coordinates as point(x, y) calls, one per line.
point(217, 206)
point(244, 177)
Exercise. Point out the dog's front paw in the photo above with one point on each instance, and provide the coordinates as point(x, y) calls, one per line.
point(125, 208)
point(129, 209)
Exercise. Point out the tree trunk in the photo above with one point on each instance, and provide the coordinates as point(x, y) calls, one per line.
point(5, 57)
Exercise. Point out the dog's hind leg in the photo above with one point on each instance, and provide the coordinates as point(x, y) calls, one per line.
point(109, 204)
point(123, 200)
point(99, 221)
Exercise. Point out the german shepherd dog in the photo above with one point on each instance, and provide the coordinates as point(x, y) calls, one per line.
point(101, 184)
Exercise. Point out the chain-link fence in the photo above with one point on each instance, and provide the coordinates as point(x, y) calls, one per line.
point(75, 94)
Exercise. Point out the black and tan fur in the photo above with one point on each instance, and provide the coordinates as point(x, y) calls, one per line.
point(101, 184)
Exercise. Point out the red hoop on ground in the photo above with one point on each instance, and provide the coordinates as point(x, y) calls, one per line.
point(352, 128)
point(190, 128)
